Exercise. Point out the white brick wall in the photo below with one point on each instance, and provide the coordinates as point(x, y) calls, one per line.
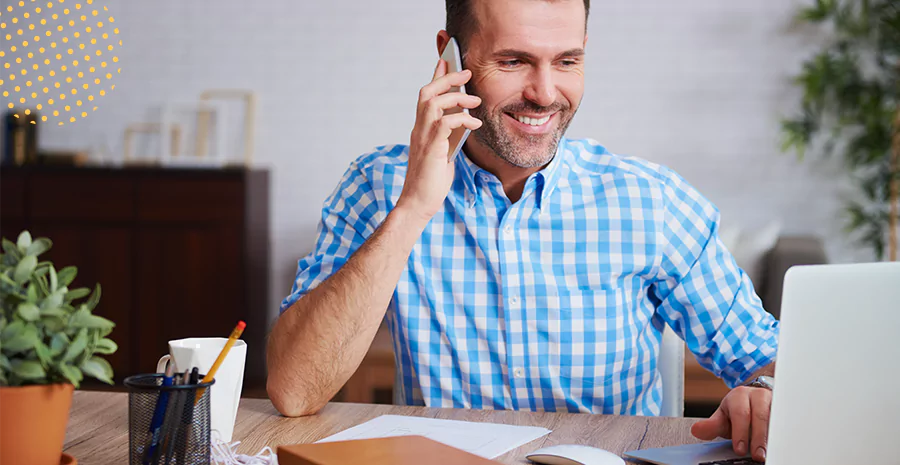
point(698, 85)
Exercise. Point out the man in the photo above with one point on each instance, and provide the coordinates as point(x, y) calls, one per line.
point(532, 272)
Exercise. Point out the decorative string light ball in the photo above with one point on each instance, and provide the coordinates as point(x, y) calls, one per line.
point(59, 57)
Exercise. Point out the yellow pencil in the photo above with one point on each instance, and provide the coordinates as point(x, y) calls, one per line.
point(221, 358)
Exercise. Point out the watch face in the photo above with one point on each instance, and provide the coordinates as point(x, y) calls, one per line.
point(767, 382)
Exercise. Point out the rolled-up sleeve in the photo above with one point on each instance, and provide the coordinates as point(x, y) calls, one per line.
point(346, 223)
point(704, 296)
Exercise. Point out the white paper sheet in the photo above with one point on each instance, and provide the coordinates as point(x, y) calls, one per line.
point(488, 440)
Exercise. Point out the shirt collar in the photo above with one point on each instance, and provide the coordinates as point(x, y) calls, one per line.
point(547, 178)
point(467, 170)
point(551, 173)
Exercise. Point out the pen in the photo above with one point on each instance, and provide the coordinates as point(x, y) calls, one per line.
point(172, 433)
point(159, 414)
point(235, 334)
point(188, 418)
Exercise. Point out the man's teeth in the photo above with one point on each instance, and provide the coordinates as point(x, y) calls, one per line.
point(533, 121)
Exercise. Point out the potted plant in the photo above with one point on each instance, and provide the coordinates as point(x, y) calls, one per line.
point(851, 105)
point(48, 343)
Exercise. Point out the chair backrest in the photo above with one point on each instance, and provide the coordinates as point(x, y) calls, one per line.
point(399, 398)
point(671, 368)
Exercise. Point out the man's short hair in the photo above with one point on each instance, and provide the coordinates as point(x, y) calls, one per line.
point(461, 21)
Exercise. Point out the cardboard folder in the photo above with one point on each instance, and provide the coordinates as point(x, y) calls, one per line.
point(400, 450)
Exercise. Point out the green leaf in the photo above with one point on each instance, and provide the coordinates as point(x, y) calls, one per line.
point(24, 241)
point(7, 280)
point(11, 330)
point(54, 281)
point(54, 300)
point(43, 286)
point(32, 293)
point(98, 322)
point(24, 269)
point(29, 311)
point(95, 298)
point(67, 275)
point(79, 319)
point(103, 332)
point(77, 346)
point(53, 324)
point(73, 374)
point(106, 346)
point(98, 368)
point(23, 340)
point(28, 369)
point(54, 312)
point(43, 354)
point(84, 319)
point(75, 294)
point(11, 249)
point(58, 344)
point(39, 246)
point(4, 363)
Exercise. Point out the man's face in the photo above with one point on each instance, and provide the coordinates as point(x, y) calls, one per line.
point(527, 62)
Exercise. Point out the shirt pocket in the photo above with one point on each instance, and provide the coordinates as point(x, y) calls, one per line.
point(594, 308)
point(595, 328)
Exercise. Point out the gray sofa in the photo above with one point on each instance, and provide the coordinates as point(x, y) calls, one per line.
point(788, 251)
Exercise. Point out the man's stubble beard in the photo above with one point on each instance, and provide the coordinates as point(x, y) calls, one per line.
point(528, 151)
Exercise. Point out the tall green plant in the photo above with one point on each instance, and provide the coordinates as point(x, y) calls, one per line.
point(45, 336)
point(851, 95)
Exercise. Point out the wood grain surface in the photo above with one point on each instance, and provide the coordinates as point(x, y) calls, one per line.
point(97, 433)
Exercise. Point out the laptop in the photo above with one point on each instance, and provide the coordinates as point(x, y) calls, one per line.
point(837, 378)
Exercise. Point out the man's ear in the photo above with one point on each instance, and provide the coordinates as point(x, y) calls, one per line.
point(442, 40)
point(584, 46)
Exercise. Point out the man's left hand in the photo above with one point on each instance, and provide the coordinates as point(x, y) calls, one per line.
point(742, 417)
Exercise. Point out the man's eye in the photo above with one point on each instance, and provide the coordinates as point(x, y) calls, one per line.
point(510, 63)
point(568, 63)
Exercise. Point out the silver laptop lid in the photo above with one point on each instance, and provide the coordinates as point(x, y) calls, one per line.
point(837, 388)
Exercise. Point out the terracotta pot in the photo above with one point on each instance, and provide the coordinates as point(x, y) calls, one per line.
point(33, 423)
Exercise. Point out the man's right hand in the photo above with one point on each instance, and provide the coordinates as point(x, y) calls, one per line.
point(430, 172)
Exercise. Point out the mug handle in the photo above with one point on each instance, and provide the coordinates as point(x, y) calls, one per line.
point(162, 363)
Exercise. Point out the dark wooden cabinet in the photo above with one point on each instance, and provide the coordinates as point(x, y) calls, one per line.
point(179, 253)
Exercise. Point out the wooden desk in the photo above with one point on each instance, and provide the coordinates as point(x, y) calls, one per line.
point(98, 427)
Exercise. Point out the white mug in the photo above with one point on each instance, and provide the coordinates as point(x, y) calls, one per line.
point(225, 394)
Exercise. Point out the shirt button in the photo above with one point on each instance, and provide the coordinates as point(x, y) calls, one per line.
point(507, 230)
point(514, 301)
point(518, 372)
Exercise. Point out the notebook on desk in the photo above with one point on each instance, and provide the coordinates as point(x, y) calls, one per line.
point(399, 450)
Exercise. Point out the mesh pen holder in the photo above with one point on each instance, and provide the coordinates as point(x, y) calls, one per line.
point(183, 436)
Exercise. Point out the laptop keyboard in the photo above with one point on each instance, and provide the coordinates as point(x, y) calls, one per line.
point(743, 461)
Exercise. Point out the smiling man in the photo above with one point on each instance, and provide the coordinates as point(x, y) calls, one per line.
point(532, 271)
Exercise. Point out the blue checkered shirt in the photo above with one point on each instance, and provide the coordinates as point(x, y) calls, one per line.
point(555, 302)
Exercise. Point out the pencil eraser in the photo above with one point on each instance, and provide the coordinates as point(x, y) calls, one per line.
point(241, 324)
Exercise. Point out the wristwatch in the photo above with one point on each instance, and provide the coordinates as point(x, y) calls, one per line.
point(767, 382)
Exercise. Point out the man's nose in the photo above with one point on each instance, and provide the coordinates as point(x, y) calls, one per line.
point(540, 88)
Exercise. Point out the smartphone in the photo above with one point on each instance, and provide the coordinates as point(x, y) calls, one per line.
point(454, 64)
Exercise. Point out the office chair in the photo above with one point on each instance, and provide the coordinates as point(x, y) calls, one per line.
point(671, 368)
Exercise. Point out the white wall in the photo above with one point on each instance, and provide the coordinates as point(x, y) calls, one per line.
point(698, 85)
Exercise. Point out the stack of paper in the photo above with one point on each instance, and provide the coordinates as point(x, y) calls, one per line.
point(487, 440)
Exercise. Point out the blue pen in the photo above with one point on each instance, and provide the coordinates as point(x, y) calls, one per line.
point(159, 414)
